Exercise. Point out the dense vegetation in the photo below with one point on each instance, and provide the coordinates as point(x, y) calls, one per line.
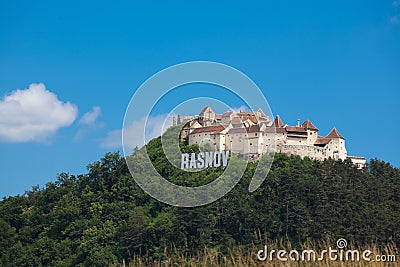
point(103, 217)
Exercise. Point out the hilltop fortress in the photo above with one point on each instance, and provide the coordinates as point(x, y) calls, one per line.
point(252, 133)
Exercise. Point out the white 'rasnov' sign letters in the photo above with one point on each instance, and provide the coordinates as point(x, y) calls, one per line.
point(204, 160)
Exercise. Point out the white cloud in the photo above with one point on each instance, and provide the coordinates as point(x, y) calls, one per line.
point(394, 20)
point(112, 140)
point(89, 123)
point(134, 133)
point(33, 114)
point(91, 116)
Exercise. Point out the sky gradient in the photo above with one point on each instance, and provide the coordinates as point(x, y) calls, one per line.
point(336, 63)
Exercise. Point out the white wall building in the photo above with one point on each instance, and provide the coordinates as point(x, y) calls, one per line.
point(253, 133)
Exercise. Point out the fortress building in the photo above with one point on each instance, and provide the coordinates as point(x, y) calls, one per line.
point(252, 133)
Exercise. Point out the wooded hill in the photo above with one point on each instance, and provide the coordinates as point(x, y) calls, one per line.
point(103, 217)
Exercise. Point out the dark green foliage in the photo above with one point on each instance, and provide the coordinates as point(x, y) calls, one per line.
point(103, 217)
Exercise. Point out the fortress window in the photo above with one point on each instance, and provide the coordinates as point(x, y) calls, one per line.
point(256, 134)
point(251, 144)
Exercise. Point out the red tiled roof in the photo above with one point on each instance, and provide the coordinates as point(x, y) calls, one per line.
point(295, 129)
point(208, 129)
point(245, 116)
point(322, 140)
point(334, 134)
point(308, 125)
point(254, 129)
point(219, 131)
point(280, 130)
point(251, 129)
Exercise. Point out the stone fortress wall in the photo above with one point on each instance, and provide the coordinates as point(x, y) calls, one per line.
point(253, 133)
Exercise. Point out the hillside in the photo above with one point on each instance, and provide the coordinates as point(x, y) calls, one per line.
point(102, 217)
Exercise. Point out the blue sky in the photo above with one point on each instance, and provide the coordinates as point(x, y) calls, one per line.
point(336, 63)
